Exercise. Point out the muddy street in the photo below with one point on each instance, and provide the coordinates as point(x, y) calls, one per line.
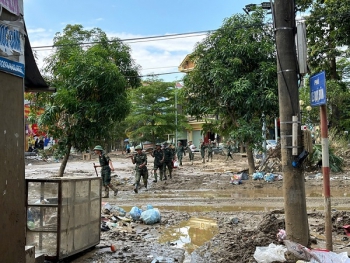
point(204, 217)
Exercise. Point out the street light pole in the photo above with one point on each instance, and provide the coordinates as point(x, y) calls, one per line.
point(175, 116)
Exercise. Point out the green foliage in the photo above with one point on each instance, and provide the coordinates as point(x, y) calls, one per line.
point(234, 77)
point(91, 85)
point(153, 112)
point(335, 162)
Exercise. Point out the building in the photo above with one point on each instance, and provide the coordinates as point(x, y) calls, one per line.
point(196, 133)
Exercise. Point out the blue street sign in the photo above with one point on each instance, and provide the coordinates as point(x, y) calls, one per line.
point(318, 89)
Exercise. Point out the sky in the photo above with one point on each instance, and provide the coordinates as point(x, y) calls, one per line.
point(130, 19)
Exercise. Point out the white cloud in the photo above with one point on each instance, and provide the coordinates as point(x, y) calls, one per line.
point(158, 56)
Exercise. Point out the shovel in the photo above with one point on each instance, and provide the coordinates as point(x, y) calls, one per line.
point(95, 170)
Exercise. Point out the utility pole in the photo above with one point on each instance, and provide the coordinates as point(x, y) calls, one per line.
point(293, 179)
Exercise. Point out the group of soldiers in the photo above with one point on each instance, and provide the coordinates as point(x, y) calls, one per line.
point(164, 158)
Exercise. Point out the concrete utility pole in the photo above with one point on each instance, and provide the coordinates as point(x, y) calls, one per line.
point(293, 180)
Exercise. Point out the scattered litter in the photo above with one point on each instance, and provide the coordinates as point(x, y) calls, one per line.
point(281, 235)
point(270, 253)
point(150, 216)
point(315, 255)
point(135, 213)
point(258, 176)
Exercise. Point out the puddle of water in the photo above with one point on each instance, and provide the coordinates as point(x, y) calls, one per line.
point(190, 234)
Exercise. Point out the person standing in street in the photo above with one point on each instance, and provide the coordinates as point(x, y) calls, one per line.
point(190, 150)
point(210, 150)
point(168, 160)
point(140, 161)
point(106, 168)
point(158, 163)
point(229, 150)
point(180, 150)
point(202, 148)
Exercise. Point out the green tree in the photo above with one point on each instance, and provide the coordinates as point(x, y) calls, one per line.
point(153, 111)
point(235, 79)
point(91, 82)
point(328, 38)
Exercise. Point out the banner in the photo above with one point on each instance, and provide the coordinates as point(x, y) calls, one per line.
point(11, 6)
point(12, 47)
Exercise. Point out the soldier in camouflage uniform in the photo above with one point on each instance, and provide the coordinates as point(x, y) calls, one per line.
point(210, 150)
point(180, 150)
point(106, 168)
point(158, 155)
point(168, 160)
point(140, 159)
point(229, 150)
point(202, 148)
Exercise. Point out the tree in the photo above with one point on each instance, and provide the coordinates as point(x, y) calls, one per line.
point(153, 112)
point(91, 83)
point(328, 37)
point(235, 79)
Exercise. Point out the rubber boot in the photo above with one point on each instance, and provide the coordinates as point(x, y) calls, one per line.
point(145, 183)
point(136, 189)
point(203, 160)
point(180, 163)
point(170, 175)
point(115, 190)
point(155, 178)
point(106, 193)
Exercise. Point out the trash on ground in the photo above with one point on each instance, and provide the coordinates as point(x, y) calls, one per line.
point(315, 255)
point(135, 213)
point(270, 253)
point(150, 216)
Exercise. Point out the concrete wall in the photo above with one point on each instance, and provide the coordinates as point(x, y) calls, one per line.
point(12, 174)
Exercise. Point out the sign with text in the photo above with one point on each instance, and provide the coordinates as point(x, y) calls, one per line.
point(12, 47)
point(318, 89)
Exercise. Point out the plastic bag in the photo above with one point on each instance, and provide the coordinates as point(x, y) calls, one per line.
point(269, 177)
point(119, 210)
point(150, 216)
point(270, 254)
point(175, 164)
point(135, 213)
point(258, 176)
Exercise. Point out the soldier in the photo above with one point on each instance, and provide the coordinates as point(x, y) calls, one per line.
point(168, 160)
point(158, 155)
point(180, 150)
point(210, 151)
point(106, 168)
point(229, 150)
point(140, 159)
point(202, 148)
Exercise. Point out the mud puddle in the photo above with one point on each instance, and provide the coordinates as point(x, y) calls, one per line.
point(190, 234)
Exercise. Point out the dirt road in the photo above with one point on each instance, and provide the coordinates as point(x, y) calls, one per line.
point(204, 218)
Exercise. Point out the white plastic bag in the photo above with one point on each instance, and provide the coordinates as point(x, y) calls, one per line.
point(270, 254)
point(176, 164)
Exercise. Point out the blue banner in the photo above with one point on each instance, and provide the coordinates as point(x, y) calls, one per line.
point(13, 67)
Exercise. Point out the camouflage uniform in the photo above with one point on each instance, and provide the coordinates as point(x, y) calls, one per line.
point(105, 169)
point(210, 151)
point(168, 161)
point(158, 164)
point(105, 161)
point(203, 147)
point(139, 159)
point(180, 150)
point(229, 150)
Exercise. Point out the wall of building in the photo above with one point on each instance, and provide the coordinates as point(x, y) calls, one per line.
point(12, 174)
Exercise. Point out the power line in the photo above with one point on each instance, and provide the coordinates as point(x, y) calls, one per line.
point(137, 40)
